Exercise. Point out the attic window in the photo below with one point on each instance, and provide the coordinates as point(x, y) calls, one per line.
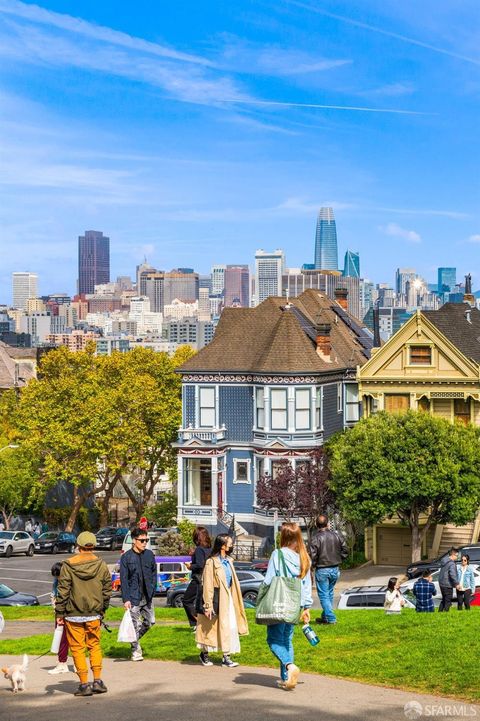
point(420, 355)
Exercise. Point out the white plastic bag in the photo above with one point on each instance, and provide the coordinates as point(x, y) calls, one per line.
point(2, 622)
point(126, 631)
point(57, 639)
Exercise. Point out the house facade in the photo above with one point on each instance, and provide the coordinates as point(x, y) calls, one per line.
point(431, 364)
point(276, 381)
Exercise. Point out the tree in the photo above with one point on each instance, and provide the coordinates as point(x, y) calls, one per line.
point(15, 483)
point(418, 467)
point(164, 513)
point(302, 492)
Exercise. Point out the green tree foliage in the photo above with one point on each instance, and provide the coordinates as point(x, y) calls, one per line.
point(186, 529)
point(418, 467)
point(164, 513)
point(16, 473)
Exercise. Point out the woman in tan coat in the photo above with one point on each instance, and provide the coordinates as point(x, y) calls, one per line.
point(223, 619)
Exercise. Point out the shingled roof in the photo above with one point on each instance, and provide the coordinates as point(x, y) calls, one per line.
point(7, 369)
point(280, 337)
point(460, 323)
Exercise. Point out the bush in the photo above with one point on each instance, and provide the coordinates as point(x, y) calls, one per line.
point(172, 544)
point(186, 529)
point(164, 513)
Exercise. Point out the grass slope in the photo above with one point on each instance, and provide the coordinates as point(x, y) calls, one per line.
point(421, 652)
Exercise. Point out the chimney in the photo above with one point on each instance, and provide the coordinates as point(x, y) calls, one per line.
point(341, 296)
point(324, 346)
point(376, 327)
point(468, 296)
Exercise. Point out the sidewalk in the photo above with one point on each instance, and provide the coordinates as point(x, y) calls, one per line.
point(188, 692)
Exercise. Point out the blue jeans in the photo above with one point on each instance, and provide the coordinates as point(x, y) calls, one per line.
point(279, 638)
point(326, 579)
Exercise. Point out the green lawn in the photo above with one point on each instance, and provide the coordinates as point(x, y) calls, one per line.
point(431, 653)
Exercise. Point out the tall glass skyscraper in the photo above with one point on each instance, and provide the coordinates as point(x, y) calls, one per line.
point(447, 280)
point(351, 267)
point(93, 260)
point(326, 254)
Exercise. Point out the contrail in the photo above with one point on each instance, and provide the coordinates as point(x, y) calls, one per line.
point(355, 108)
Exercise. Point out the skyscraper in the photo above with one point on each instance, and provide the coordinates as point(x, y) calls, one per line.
point(93, 261)
point(218, 279)
point(269, 268)
point(402, 277)
point(24, 286)
point(351, 266)
point(326, 254)
point(447, 280)
point(237, 286)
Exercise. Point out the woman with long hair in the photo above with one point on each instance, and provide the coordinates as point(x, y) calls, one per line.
point(222, 619)
point(280, 635)
point(466, 582)
point(394, 601)
point(203, 549)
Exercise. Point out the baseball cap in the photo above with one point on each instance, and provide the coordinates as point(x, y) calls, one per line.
point(86, 539)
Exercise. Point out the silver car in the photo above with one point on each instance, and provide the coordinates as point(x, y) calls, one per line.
point(16, 542)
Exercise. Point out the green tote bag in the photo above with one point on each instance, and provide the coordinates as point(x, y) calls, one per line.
point(279, 602)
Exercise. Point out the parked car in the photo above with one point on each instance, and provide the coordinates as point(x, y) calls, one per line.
point(415, 570)
point(250, 582)
point(366, 597)
point(153, 537)
point(171, 571)
point(53, 542)
point(258, 564)
point(110, 537)
point(408, 585)
point(9, 597)
point(16, 542)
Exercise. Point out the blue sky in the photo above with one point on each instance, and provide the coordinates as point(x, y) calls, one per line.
point(194, 132)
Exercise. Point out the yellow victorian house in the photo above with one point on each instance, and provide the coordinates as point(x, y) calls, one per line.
point(431, 364)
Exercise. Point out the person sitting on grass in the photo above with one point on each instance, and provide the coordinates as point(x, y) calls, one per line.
point(424, 591)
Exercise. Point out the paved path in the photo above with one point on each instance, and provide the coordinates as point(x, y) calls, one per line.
point(188, 692)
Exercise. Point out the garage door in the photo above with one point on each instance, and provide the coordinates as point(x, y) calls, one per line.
point(393, 546)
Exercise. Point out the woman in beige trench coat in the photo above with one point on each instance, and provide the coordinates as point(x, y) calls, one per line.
point(219, 629)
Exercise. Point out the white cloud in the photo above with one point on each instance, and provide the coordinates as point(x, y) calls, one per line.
point(474, 238)
point(397, 231)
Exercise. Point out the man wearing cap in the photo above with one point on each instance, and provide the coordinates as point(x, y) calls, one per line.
point(84, 590)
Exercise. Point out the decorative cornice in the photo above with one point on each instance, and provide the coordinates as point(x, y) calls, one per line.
point(348, 374)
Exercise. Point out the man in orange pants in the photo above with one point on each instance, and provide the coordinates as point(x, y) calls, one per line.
point(84, 590)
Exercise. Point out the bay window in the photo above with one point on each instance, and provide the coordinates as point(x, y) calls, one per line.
point(278, 402)
point(207, 407)
point(302, 409)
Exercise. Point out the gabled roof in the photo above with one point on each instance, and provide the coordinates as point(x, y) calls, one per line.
point(7, 369)
point(276, 337)
point(460, 323)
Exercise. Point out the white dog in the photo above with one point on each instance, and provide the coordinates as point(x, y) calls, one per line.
point(17, 674)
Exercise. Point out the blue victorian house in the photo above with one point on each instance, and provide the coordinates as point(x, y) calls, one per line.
point(276, 381)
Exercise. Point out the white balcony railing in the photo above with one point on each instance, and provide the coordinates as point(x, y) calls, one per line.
point(202, 434)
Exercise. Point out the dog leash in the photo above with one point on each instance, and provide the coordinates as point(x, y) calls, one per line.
point(105, 626)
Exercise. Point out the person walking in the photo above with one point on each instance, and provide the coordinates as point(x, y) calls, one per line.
point(297, 563)
point(448, 579)
point(203, 549)
point(223, 618)
point(83, 596)
point(62, 665)
point(466, 583)
point(394, 601)
point(327, 551)
point(424, 591)
point(138, 583)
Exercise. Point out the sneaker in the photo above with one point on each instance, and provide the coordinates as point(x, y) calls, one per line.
point(205, 659)
point(99, 687)
point(137, 656)
point(293, 673)
point(84, 690)
point(59, 668)
point(227, 662)
point(324, 622)
point(193, 629)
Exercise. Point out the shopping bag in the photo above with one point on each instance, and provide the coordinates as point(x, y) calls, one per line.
point(2, 622)
point(279, 601)
point(57, 639)
point(126, 631)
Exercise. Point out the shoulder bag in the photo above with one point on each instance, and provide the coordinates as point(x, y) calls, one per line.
point(279, 601)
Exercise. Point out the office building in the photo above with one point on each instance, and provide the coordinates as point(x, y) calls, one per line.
point(37, 325)
point(218, 279)
point(447, 280)
point(351, 266)
point(237, 286)
point(24, 286)
point(179, 285)
point(326, 253)
point(402, 277)
point(152, 285)
point(93, 261)
point(296, 281)
point(269, 268)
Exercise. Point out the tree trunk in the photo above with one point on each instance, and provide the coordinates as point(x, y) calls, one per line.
point(138, 505)
point(78, 500)
point(416, 542)
point(7, 517)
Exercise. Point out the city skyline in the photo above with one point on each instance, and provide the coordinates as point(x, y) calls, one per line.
point(186, 145)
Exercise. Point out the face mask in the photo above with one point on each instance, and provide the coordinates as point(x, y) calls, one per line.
point(229, 551)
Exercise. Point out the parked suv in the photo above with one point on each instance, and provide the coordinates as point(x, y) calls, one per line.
point(415, 570)
point(16, 542)
point(111, 537)
point(52, 542)
point(366, 597)
point(250, 582)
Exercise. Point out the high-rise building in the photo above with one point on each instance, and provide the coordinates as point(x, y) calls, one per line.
point(218, 279)
point(237, 286)
point(326, 253)
point(180, 285)
point(351, 266)
point(447, 280)
point(24, 286)
point(93, 261)
point(296, 281)
point(152, 285)
point(402, 277)
point(143, 268)
point(269, 268)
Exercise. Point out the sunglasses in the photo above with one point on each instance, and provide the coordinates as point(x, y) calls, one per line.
point(142, 540)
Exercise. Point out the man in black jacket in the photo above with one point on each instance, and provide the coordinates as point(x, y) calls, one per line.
point(448, 579)
point(138, 580)
point(327, 550)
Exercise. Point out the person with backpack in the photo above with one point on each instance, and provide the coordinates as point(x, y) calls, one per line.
point(327, 550)
point(290, 561)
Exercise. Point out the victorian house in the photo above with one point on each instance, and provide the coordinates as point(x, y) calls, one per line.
point(276, 381)
point(431, 364)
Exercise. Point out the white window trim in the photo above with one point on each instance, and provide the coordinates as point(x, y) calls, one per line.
point(198, 405)
point(248, 461)
point(355, 403)
point(340, 397)
point(270, 409)
point(320, 426)
point(257, 390)
point(308, 408)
